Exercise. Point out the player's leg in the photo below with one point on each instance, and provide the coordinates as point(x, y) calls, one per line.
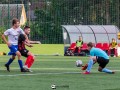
point(30, 60)
point(90, 64)
point(20, 62)
point(102, 65)
point(9, 62)
point(13, 49)
point(105, 70)
point(100, 69)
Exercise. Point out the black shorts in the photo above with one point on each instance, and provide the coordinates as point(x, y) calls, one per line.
point(102, 61)
point(24, 52)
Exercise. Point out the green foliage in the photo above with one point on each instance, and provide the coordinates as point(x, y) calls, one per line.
point(2, 29)
point(46, 27)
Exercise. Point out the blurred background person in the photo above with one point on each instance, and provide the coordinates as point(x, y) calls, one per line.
point(79, 44)
point(113, 46)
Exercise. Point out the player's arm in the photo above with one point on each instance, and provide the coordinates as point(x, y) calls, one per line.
point(93, 57)
point(116, 45)
point(35, 42)
point(27, 44)
point(81, 44)
point(4, 38)
point(110, 47)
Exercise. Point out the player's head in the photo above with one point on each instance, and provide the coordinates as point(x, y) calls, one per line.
point(15, 23)
point(113, 40)
point(80, 38)
point(27, 30)
point(90, 45)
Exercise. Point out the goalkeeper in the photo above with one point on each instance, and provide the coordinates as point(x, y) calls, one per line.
point(99, 56)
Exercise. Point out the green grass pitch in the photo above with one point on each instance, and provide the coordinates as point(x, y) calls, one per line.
point(40, 49)
point(61, 71)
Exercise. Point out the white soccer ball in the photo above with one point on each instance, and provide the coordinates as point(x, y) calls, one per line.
point(53, 86)
point(79, 63)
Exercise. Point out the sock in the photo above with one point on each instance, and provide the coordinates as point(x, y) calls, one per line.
point(106, 70)
point(9, 61)
point(20, 64)
point(31, 63)
point(28, 60)
point(90, 64)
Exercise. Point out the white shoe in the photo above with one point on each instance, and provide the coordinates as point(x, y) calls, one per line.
point(26, 68)
point(30, 70)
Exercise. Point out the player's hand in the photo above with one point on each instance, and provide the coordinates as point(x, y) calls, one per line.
point(38, 42)
point(27, 41)
point(84, 67)
point(9, 44)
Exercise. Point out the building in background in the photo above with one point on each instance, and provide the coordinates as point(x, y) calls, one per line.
point(10, 11)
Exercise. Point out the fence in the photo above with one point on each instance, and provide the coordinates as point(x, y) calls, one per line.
point(45, 17)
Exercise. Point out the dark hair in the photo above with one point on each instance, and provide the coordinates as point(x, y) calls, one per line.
point(14, 21)
point(90, 44)
point(113, 39)
point(26, 27)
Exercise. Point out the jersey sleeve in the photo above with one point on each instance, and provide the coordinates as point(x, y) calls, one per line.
point(91, 53)
point(76, 41)
point(21, 31)
point(7, 32)
point(82, 42)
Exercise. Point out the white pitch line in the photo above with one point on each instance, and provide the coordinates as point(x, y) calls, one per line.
point(40, 74)
point(53, 73)
point(13, 68)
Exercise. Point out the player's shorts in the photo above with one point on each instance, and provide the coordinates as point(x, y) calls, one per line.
point(102, 61)
point(13, 49)
point(24, 52)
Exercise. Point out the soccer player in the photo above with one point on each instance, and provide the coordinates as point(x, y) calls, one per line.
point(24, 52)
point(27, 32)
point(99, 56)
point(12, 43)
point(30, 56)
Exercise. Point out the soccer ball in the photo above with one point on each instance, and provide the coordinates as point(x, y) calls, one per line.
point(53, 86)
point(79, 63)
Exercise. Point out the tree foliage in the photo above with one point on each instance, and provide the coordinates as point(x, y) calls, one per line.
point(47, 25)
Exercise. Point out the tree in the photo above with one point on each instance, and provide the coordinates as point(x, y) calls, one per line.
point(1, 32)
point(47, 25)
